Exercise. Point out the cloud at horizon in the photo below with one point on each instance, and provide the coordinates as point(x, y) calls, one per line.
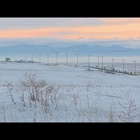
point(70, 29)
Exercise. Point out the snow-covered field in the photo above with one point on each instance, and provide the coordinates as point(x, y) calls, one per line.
point(72, 94)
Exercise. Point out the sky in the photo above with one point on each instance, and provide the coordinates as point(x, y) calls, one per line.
point(123, 31)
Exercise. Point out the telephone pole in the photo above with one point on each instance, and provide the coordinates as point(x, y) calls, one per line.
point(89, 61)
point(66, 58)
point(32, 58)
point(39, 58)
point(77, 59)
point(98, 61)
point(112, 63)
point(48, 58)
point(57, 58)
point(102, 63)
point(123, 66)
point(135, 67)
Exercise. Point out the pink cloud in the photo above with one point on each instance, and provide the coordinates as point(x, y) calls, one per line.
point(107, 31)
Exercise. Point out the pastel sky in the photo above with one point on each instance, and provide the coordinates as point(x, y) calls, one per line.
point(69, 29)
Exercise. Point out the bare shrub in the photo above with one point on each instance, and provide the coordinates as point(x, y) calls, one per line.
point(129, 110)
point(38, 91)
point(33, 91)
point(33, 86)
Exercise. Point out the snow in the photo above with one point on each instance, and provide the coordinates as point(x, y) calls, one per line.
point(82, 95)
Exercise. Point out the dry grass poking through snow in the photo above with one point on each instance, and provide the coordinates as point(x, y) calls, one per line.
point(32, 92)
point(72, 103)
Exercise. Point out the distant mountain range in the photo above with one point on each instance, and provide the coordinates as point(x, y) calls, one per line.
point(83, 49)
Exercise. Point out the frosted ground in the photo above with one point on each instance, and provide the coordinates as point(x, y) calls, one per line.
point(74, 94)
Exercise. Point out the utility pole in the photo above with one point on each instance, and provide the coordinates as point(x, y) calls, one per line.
point(48, 58)
point(77, 59)
point(112, 63)
point(98, 61)
point(102, 63)
point(66, 58)
point(39, 58)
point(57, 58)
point(89, 61)
point(135, 67)
point(123, 66)
point(32, 58)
